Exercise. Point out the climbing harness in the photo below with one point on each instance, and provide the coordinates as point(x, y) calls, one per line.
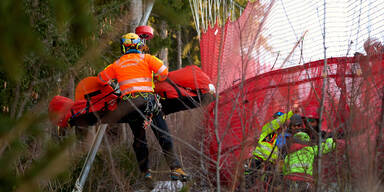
point(152, 105)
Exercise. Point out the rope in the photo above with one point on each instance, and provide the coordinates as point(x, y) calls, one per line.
point(195, 15)
point(210, 11)
point(202, 15)
point(206, 12)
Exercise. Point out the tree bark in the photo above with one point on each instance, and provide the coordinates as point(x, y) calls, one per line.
point(179, 48)
point(163, 35)
point(135, 11)
point(27, 97)
point(71, 87)
point(15, 100)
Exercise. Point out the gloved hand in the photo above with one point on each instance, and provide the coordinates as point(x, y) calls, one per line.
point(296, 108)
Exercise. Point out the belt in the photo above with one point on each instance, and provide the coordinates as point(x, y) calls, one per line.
point(134, 95)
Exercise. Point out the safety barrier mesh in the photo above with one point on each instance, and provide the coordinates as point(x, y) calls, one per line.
point(241, 49)
point(260, 71)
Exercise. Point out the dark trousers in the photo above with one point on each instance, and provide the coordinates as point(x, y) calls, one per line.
point(160, 129)
point(254, 171)
point(260, 174)
point(126, 107)
point(127, 112)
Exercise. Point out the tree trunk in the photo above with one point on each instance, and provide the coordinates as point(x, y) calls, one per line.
point(135, 11)
point(27, 97)
point(164, 51)
point(16, 96)
point(70, 89)
point(179, 48)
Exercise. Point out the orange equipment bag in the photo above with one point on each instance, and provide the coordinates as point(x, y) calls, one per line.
point(90, 97)
point(188, 81)
point(184, 89)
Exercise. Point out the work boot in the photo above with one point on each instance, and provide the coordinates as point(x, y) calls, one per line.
point(148, 180)
point(179, 174)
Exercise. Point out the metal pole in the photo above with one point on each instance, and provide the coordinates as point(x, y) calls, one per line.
point(89, 160)
point(148, 10)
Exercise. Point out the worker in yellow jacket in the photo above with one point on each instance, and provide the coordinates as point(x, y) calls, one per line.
point(266, 152)
point(298, 164)
point(266, 146)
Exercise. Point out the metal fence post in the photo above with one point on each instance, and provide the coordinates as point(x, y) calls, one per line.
point(89, 160)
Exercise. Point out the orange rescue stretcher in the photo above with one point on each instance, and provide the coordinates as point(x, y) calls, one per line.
point(184, 89)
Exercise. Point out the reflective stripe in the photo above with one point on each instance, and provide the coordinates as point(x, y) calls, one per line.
point(137, 88)
point(264, 151)
point(136, 80)
point(259, 153)
point(279, 120)
point(101, 79)
point(134, 60)
point(330, 143)
point(264, 156)
point(117, 61)
point(268, 148)
point(299, 165)
point(129, 62)
point(162, 69)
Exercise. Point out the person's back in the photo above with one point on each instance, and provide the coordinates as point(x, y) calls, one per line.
point(298, 164)
point(133, 72)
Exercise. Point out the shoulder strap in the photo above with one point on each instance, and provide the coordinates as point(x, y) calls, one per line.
point(174, 85)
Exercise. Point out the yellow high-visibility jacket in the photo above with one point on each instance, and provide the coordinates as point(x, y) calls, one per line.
point(300, 163)
point(267, 139)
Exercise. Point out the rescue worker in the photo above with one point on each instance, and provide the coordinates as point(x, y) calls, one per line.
point(295, 125)
point(265, 149)
point(298, 164)
point(266, 152)
point(134, 74)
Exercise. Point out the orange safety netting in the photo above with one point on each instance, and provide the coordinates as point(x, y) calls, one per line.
point(353, 93)
point(251, 90)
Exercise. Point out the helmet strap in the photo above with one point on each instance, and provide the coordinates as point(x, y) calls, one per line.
point(122, 49)
point(132, 51)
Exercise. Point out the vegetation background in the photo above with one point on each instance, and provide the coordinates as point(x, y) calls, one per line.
point(47, 47)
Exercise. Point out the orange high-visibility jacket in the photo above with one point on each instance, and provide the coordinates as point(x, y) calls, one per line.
point(134, 72)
